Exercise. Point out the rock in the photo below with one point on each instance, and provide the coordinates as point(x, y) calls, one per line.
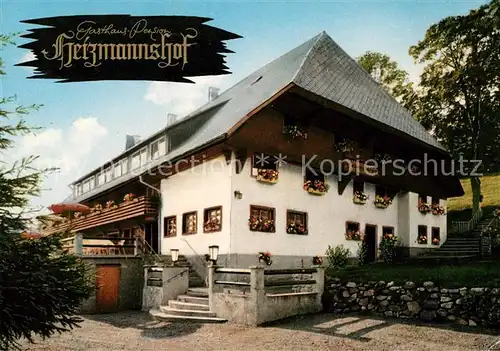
point(451, 318)
point(494, 291)
point(434, 296)
point(431, 304)
point(461, 321)
point(336, 280)
point(370, 292)
point(370, 307)
point(453, 291)
point(380, 283)
point(434, 289)
point(363, 308)
point(463, 291)
point(472, 323)
point(445, 299)
point(345, 293)
point(353, 290)
point(428, 285)
point(381, 297)
point(459, 301)
point(363, 302)
point(346, 310)
point(477, 291)
point(427, 315)
point(413, 307)
point(355, 308)
point(351, 285)
point(409, 285)
point(444, 291)
point(354, 296)
point(384, 303)
point(385, 291)
point(388, 313)
point(394, 308)
point(420, 289)
point(390, 284)
point(406, 298)
point(447, 305)
point(442, 313)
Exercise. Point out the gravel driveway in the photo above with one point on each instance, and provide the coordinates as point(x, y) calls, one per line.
point(136, 331)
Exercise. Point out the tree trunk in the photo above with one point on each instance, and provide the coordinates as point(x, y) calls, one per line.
point(476, 193)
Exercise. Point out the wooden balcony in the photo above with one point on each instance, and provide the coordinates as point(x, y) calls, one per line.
point(139, 207)
point(103, 246)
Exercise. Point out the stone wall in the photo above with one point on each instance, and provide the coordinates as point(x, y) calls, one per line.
point(426, 302)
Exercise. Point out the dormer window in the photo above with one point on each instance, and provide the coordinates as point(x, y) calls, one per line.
point(144, 156)
point(136, 161)
point(108, 175)
point(117, 170)
point(100, 180)
point(124, 166)
point(157, 148)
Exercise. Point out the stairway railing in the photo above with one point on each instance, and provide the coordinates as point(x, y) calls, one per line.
point(200, 264)
point(466, 226)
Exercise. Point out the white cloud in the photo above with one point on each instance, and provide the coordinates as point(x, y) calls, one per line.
point(183, 98)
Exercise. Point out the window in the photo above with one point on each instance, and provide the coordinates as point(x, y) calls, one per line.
point(387, 231)
point(144, 156)
point(92, 182)
point(422, 234)
point(296, 222)
point(170, 226)
point(262, 219)
point(86, 186)
point(358, 186)
point(189, 223)
point(127, 233)
point(162, 146)
point(212, 219)
point(422, 198)
point(136, 161)
point(435, 236)
point(124, 166)
point(157, 148)
point(79, 189)
point(108, 175)
point(118, 170)
point(352, 226)
point(435, 201)
point(316, 175)
point(100, 179)
point(263, 161)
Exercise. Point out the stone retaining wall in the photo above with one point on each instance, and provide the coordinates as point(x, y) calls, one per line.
point(427, 302)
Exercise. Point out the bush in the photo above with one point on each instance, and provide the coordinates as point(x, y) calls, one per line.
point(337, 256)
point(388, 248)
point(362, 253)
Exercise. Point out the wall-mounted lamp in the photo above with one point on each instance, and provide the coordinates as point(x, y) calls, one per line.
point(213, 251)
point(174, 254)
point(238, 194)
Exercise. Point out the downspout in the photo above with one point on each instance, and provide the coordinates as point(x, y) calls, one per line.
point(160, 210)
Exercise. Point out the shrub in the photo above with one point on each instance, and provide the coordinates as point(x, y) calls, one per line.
point(388, 248)
point(362, 253)
point(337, 256)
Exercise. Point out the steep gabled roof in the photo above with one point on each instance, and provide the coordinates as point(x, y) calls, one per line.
point(319, 66)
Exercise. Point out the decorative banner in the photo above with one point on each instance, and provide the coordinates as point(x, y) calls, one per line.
point(124, 47)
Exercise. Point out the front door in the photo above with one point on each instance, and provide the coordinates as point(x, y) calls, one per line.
point(108, 284)
point(371, 242)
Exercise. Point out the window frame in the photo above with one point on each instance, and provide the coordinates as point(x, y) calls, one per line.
point(426, 233)
point(438, 234)
point(384, 227)
point(166, 223)
point(272, 212)
point(421, 198)
point(92, 182)
point(108, 171)
point(184, 222)
point(305, 223)
point(143, 151)
point(255, 168)
point(117, 166)
point(438, 203)
point(352, 222)
point(205, 218)
point(134, 155)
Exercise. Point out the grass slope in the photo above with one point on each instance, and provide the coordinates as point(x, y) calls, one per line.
point(459, 208)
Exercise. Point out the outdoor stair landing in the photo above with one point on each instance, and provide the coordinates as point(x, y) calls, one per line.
point(190, 307)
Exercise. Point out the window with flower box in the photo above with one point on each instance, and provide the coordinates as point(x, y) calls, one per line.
point(265, 168)
point(435, 201)
point(435, 235)
point(422, 234)
point(383, 198)
point(296, 222)
point(423, 206)
point(262, 219)
point(352, 231)
point(387, 231)
point(359, 195)
point(422, 198)
point(315, 182)
point(293, 128)
point(170, 226)
point(189, 223)
point(212, 219)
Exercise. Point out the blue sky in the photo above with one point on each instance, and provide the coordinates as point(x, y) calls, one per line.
point(86, 123)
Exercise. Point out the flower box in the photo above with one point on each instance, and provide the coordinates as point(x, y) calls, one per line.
point(435, 241)
point(422, 240)
point(359, 198)
point(294, 132)
point(296, 228)
point(353, 235)
point(424, 208)
point(381, 205)
point(382, 201)
point(437, 210)
point(261, 225)
point(267, 176)
point(316, 187)
point(265, 257)
point(317, 260)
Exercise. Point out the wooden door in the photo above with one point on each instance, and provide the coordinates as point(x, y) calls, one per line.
point(108, 284)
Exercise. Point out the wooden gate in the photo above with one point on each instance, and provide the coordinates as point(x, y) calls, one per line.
point(108, 284)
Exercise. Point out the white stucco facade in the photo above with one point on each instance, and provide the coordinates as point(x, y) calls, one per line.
point(215, 183)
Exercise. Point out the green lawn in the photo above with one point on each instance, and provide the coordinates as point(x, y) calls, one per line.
point(459, 208)
point(474, 274)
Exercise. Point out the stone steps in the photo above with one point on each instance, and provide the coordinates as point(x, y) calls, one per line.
point(181, 305)
point(193, 299)
point(175, 318)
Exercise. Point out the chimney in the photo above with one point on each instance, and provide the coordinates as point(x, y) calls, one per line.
point(213, 92)
point(171, 119)
point(131, 140)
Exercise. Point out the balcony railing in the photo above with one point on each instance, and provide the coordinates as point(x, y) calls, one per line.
point(102, 246)
point(141, 206)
